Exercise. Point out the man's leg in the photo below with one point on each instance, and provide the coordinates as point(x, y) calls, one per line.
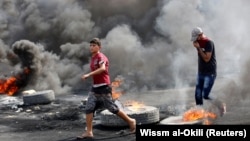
point(109, 103)
point(131, 122)
point(198, 90)
point(89, 125)
point(208, 84)
point(90, 108)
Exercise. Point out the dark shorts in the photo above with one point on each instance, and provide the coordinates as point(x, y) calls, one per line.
point(101, 97)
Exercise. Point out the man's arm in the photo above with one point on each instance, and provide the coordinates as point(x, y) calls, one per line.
point(206, 56)
point(97, 71)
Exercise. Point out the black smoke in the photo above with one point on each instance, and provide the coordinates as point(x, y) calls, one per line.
point(147, 42)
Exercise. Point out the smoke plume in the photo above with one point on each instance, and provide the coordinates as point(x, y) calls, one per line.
point(147, 42)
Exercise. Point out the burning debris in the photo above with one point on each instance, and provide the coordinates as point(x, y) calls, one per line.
point(117, 93)
point(12, 84)
point(178, 120)
point(133, 105)
point(199, 113)
point(204, 115)
point(115, 85)
point(24, 50)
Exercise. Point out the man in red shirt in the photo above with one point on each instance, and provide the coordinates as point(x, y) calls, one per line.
point(101, 91)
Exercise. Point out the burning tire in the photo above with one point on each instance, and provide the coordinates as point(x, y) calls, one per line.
point(40, 97)
point(177, 120)
point(143, 115)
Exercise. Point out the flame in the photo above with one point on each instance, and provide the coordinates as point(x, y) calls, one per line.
point(131, 105)
point(115, 84)
point(197, 114)
point(134, 105)
point(9, 86)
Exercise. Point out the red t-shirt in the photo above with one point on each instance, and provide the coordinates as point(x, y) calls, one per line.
point(102, 78)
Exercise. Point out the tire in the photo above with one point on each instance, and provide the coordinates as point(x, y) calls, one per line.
point(177, 120)
point(144, 115)
point(39, 97)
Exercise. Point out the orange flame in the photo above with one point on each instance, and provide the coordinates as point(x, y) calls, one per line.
point(197, 114)
point(8, 86)
point(134, 105)
point(115, 84)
